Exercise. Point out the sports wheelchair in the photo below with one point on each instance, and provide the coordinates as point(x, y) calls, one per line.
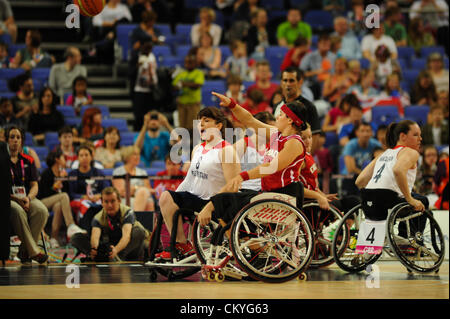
point(268, 240)
point(415, 238)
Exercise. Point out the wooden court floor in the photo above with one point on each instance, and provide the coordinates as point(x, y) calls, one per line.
point(132, 281)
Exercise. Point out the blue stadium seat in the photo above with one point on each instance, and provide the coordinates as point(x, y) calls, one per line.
point(66, 110)
point(121, 124)
point(384, 114)
point(426, 51)
point(365, 63)
point(172, 61)
point(207, 98)
point(197, 4)
point(183, 32)
point(10, 73)
point(405, 86)
point(152, 171)
point(417, 113)
point(4, 86)
point(123, 32)
point(73, 121)
point(272, 4)
point(51, 140)
point(275, 56)
point(6, 38)
point(276, 14)
point(161, 51)
point(406, 53)
point(41, 151)
point(107, 171)
point(38, 84)
point(13, 48)
point(410, 76)
point(418, 64)
point(331, 139)
point(40, 74)
point(247, 84)
point(404, 65)
point(127, 138)
point(226, 52)
point(314, 40)
point(158, 164)
point(441, 147)
point(296, 3)
point(182, 50)
point(8, 95)
point(319, 19)
point(103, 108)
point(164, 29)
point(29, 139)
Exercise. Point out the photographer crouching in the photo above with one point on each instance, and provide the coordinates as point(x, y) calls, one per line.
point(116, 235)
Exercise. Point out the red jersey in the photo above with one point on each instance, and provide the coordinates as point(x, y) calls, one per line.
point(308, 175)
point(288, 175)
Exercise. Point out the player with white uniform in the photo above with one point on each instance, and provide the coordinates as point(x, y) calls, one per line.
point(213, 164)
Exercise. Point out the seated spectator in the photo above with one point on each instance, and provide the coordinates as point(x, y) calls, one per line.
point(290, 30)
point(189, 82)
point(243, 10)
point(359, 150)
point(4, 56)
point(26, 100)
point(350, 47)
point(383, 65)
point(324, 161)
point(347, 131)
point(339, 115)
point(109, 153)
point(32, 56)
point(235, 91)
point(441, 183)
point(140, 189)
point(82, 194)
point(95, 163)
point(255, 103)
point(173, 170)
point(418, 36)
point(207, 16)
point(336, 43)
point(258, 37)
point(209, 57)
point(158, 7)
point(365, 88)
point(436, 132)
point(335, 7)
point(7, 116)
point(53, 194)
point(7, 23)
point(295, 54)
point(337, 83)
point(424, 184)
point(28, 215)
point(117, 225)
point(65, 137)
point(444, 102)
point(424, 91)
point(62, 75)
point(91, 124)
point(440, 76)
point(354, 71)
point(373, 40)
point(277, 97)
point(48, 118)
point(145, 32)
point(263, 82)
point(380, 135)
point(318, 65)
point(394, 91)
point(393, 26)
point(237, 63)
point(79, 96)
point(153, 143)
point(357, 18)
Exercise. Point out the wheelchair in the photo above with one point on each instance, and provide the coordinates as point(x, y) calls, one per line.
point(415, 238)
point(179, 266)
point(269, 240)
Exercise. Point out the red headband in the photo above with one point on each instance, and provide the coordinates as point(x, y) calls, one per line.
point(291, 115)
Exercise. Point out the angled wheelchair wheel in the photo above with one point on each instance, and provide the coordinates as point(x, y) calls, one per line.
point(324, 224)
point(416, 239)
point(271, 240)
point(344, 243)
point(201, 239)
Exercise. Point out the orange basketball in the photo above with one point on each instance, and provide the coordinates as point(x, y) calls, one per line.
point(90, 8)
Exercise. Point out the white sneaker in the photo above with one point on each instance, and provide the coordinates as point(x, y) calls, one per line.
point(74, 229)
point(54, 243)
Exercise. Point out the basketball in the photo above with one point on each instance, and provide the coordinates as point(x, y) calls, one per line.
point(90, 8)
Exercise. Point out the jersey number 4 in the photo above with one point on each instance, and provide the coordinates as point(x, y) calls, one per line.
point(378, 174)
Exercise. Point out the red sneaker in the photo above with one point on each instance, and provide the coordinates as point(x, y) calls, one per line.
point(183, 250)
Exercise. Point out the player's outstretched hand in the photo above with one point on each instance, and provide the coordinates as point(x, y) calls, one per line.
point(224, 100)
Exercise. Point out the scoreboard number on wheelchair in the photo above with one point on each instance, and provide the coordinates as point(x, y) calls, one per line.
point(371, 237)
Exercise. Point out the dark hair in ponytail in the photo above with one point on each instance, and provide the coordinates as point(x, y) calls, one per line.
point(300, 110)
point(394, 129)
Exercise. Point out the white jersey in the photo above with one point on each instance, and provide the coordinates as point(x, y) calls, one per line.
point(205, 176)
point(383, 176)
point(249, 160)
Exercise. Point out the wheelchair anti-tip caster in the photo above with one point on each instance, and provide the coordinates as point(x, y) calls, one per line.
point(153, 275)
point(302, 277)
point(219, 277)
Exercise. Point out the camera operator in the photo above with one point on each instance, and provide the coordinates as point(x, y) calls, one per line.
point(115, 235)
